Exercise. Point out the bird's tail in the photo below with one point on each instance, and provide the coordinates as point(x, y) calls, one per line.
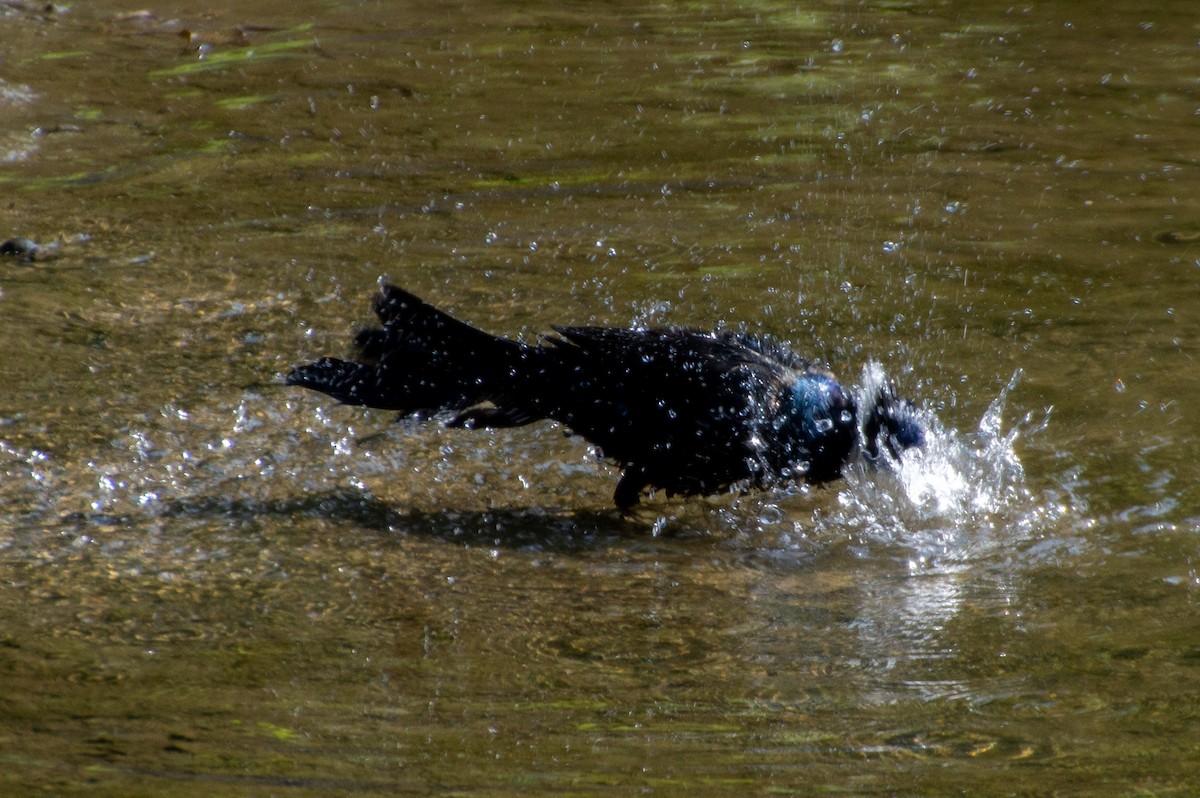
point(420, 362)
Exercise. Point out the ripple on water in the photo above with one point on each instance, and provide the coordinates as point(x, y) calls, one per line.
point(962, 497)
point(16, 94)
point(951, 526)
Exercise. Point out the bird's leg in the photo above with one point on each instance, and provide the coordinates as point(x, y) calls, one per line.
point(629, 488)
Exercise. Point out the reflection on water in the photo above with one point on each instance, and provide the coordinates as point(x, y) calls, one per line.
point(209, 582)
point(960, 502)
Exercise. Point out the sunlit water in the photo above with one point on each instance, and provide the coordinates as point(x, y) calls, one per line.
point(942, 501)
point(212, 582)
point(960, 495)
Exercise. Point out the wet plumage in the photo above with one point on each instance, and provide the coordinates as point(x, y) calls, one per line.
point(682, 410)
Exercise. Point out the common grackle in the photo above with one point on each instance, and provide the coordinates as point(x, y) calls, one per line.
point(683, 410)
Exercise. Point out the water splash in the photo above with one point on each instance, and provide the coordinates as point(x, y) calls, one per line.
point(959, 497)
point(962, 500)
point(955, 498)
point(231, 459)
point(951, 523)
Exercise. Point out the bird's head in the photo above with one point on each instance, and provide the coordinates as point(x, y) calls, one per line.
point(892, 426)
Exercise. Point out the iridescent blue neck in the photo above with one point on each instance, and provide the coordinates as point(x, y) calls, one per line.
point(818, 424)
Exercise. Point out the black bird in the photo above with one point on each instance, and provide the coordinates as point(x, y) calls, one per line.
point(687, 411)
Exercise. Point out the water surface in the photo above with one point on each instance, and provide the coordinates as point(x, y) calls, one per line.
point(210, 582)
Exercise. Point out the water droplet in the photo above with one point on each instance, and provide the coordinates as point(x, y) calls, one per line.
point(770, 515)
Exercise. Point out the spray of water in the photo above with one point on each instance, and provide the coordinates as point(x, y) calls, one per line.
point(959, 496)
point(955, 498)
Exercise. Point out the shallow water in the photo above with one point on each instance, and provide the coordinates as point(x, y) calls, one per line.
point(212, 583)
